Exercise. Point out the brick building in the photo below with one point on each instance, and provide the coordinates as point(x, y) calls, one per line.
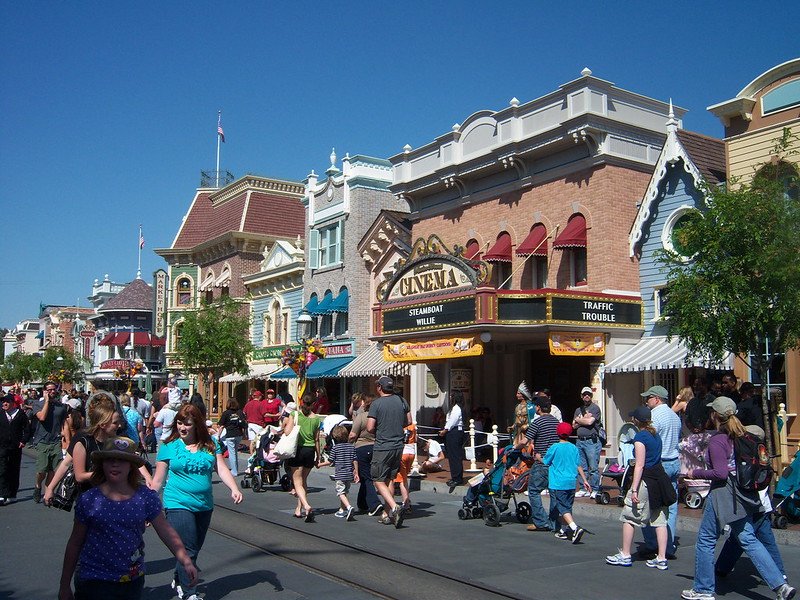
point(520, 266)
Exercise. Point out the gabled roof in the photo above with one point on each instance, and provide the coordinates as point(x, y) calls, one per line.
point(250, 205)
point(701, 156)
point(137, 295)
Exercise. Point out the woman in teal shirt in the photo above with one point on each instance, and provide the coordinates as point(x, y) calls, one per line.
point(187, 460)
point(307, 455)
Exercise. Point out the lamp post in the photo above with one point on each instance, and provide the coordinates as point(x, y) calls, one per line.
point(304, 321)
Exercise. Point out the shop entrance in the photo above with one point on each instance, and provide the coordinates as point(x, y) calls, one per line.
point(563, 376)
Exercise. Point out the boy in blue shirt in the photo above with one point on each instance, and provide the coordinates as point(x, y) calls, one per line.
point(564, 462)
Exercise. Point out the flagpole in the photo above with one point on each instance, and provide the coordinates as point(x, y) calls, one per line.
point(219, 120)
point(139, 246)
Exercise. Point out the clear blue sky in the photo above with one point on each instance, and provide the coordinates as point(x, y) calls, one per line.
point(109, 109)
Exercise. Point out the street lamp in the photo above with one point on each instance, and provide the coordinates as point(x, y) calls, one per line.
point(304, 326)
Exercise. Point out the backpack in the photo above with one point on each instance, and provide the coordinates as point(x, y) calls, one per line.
point(753, 468)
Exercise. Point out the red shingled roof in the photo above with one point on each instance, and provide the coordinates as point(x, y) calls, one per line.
point(707, 153)
point(267, 214)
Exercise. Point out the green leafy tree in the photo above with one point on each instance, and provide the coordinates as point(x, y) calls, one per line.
point(59, 364)
point(741, 287)
point(215, 340)
point(19, 368)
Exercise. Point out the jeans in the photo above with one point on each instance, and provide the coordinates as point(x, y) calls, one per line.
point(589, 453)
point(232, 445)
point(731, 551)
point(672, 469)
point(367, 496)
point(537, 481)
point(192, 528)
point(743, 531)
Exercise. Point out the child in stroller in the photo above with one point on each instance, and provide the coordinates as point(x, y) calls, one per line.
point(263, 467)
point(490, 493)
point(616, 468)
point(691, 451)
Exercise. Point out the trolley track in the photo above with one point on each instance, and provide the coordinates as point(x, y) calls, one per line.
point(368, 569)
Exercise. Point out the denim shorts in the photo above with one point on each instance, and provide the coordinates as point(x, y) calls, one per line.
point(562, 500)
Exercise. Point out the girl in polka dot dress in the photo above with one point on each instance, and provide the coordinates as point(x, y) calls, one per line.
point(106, 549)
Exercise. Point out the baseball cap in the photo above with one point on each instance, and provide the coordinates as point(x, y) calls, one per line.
point(564, 430)
point(270, 391)
point(73, 403)
point(642, 413)
point(756, 431)
point(386, 383)
point(119, 447)
point(656, 390)
point(723, 406)
point(256, 394)
point(587, 390)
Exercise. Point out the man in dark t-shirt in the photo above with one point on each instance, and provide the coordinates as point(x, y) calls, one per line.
point(50, 415)
point(388, 415)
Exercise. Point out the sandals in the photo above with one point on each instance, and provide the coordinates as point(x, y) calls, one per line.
point(310, 515)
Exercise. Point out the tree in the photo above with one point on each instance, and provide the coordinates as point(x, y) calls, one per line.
point(19, 368)
point(215, 340)
point(27, 368)
point(741, 287)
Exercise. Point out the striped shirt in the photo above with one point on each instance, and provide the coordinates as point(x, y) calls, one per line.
point(342, 456)
point(668, 427)
point(542, 432)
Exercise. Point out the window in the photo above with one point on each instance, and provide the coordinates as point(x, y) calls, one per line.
point(673, 236)
point(177, 334)
point(326, 245)
point(285, 320)
point(266, 333)
point(184, 291)
point(577, 266)
point(277, 322)
point(534, 273)
point(782, 97)
point(785, 173)
point(209, 296)
point(341, 324)
point(326, 327)
point(224, 291)
point(660, 295)
point(501, 275)
point(776, 376)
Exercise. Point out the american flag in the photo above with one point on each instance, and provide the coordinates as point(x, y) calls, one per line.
point(141, 241)
point(220, 133)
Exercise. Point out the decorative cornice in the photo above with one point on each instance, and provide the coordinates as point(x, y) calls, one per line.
point(261, 184)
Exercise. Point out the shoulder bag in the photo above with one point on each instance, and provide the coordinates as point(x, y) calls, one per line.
point(287, 445)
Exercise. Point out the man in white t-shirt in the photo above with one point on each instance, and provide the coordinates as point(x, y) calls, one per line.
point(435, 456)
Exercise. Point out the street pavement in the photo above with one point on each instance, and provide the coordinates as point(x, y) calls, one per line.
point(275, 557)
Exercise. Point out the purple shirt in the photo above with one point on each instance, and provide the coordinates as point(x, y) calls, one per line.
point(719, 458)
point(114, 547)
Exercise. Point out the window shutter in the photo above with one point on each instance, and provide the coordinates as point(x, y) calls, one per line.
point(313, 248)
point(341, 241)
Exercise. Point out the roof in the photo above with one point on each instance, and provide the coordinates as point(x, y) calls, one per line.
point(250, 205)
point(137, 295)
point(707, 154)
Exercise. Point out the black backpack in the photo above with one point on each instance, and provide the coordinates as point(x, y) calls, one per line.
point(753, 467)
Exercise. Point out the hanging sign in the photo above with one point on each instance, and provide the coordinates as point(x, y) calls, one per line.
point(432, 349)
point(567, 343)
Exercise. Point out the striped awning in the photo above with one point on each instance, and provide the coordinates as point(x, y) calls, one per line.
point(256, 372)
point(370, 363)
point(656, 352)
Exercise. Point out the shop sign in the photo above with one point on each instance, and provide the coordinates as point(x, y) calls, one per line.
point(87, 333)
point(432, 349)
point(274, 352)
point(429, 277)
point(431, 315)
point(461, 382)
point(160, 303)
point(339, 350)
point(115, 363)
point(596, 311)
point(576, 343)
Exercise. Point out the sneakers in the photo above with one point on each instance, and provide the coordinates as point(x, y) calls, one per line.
point(785, 592)
point(397, 516)
point(193, 597)
point(619, 560)
point(581, 494)
point(577, 535)
point(37, 495)
point(340, 514)
point(561, 535)
point(533, 527)
point(593, 495)
point(655, 563)
point(348, 515)
point(695, 595)
point(177, 587)
point(544, 493)
point(385, 520)
point(376, 511)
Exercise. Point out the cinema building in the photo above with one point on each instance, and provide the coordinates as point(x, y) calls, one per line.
point(519, 267)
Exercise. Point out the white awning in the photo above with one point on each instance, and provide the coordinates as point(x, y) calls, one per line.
point(653, 353)
point(370, 363)
point(256, 372)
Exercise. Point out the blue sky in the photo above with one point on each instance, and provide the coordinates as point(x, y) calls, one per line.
point(109, 109)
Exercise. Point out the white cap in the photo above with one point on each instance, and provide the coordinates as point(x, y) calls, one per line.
point(587, 390)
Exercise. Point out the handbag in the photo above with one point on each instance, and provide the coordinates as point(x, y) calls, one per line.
point(66, 491)
point(287, 445)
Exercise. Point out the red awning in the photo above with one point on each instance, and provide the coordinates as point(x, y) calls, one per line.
point(473, 250)
point(106, 341)
point(158, 341)
point(141, 338)
point(121, 339)
point(574, 234)
point(501, 251)
point(535, 243)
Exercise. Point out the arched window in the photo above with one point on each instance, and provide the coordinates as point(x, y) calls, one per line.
point(266, 333)
point(473, 250)
point(183, 291)
point(500, 257)
point(573, 240)
point(277, 321)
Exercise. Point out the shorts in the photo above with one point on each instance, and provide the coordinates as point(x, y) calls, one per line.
point(640, 514)
point(306, 457)
point(253, 431)
point(385, 464)
point(342, 487)
point(562, 500)
point(406, 462)
point(47, 457)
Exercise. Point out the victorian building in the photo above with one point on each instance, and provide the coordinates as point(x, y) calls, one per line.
point(520, 266)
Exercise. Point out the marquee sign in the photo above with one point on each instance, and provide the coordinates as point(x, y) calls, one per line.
point(160, 309)
point(589, 310)
point(429, 277)
point(431, 315)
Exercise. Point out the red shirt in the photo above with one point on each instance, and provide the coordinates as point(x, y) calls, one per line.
point(272, 406)
point(254, 412)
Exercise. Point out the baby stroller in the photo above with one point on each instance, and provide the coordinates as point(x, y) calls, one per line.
point(490, 494)
point(691, 452)
point(787, 496)
point(263, 467)
point(616, 467)
point(326, 427)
